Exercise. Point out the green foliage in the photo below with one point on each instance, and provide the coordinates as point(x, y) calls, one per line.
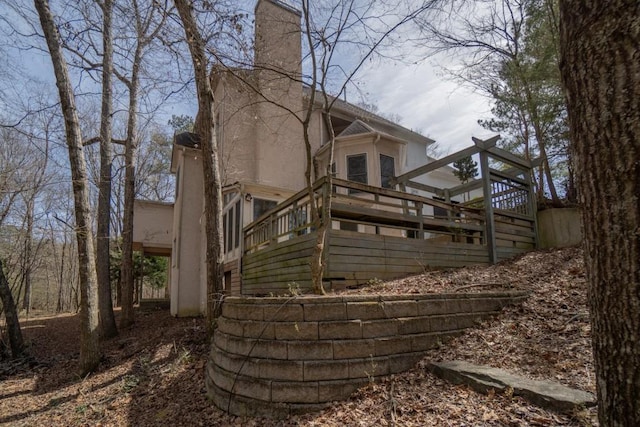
point(529, 104)
point(181, 123)
point(152, 269)
point(465, 169)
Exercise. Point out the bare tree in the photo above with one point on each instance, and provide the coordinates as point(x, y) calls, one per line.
point(204, 124)
point(146, 30)
point(600, 47)
point(360, 29)
point(352, 24)
point(89, 340)
point(11, 315)
point(509, 53)
point(107, 320)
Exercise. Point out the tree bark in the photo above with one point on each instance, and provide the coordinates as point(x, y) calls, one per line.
point(131, 146)
point(89, 342)
point(107, 320)
point(600, 66)
point(204, 124)
point(11, 315)
point(28, 261)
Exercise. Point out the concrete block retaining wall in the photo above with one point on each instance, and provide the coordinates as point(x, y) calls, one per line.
point(274, 357)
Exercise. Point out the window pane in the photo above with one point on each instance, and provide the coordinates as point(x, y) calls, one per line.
point(260, 206)
point(238, 224)
point(357, 168)
point(224, 232)
point(229, 231)
point(387, 171)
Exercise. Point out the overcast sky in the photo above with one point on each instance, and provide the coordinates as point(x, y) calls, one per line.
point(428, 102)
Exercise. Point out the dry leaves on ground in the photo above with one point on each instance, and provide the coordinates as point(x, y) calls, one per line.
point(153, 374)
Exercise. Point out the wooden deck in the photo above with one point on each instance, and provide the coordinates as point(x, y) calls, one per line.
point(380, 234)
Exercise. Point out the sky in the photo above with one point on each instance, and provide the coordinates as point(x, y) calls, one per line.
point(428, 102)
point(425, 99)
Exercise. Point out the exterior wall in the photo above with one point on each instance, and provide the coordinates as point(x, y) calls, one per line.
point(187, 256)
point(280, 152)
point(367, 144)
point(261, 192)
point(248, 194)
point(559, 228)
point(273, 357)
point(152, 225)
point(236, 129)
point(232, 270)
point(317, 132)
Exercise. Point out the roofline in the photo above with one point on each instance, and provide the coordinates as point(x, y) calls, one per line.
point(369, 115)
point(281, 4)
point(153, 202)
point(373, 134)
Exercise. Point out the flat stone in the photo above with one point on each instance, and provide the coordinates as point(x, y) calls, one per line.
point(546, 394)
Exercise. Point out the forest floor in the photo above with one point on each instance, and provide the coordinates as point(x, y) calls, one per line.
point(153, 374)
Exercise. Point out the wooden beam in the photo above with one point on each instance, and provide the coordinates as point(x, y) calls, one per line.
point(532, 203)
point(425, 187)
point(536, 162)
point(487, 143)
point(503, 175)
point(464, 188)
point(437, 164)
point(503, 155)
point(490, 235)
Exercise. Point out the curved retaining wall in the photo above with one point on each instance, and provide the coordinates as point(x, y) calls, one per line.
point(273, 357)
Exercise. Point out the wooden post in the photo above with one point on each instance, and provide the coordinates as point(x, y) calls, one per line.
point(532, 206)
point(419, 209)
point(490, 236)
point(405, 206)
point(273, 228)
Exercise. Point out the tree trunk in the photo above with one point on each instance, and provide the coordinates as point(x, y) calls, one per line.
point(600, 66)
point(11, 315)
point(204, 124)
point(89, 343)
point(28, 262)
point(131, 146)
point(107, 320)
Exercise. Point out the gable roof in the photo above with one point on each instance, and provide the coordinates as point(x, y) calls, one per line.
point(378, 123)
point(355, 128)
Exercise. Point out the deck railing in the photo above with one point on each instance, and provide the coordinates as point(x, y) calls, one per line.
point(370, 210)
point(288, 219)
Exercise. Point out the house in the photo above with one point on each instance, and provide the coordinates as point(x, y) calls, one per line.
point(263, 160)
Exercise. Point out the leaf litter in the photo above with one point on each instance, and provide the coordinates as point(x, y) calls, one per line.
point(153, 373)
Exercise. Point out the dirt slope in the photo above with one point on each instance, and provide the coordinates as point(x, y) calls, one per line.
point(153, 374)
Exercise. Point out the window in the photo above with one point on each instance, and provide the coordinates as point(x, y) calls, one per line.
point(231, 224)
point(261, 206)
point(387, 171)
point(238, 224)
point(334, 174)
point(357, 168)
point(439, 212)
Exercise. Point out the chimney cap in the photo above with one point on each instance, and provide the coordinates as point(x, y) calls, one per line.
point(281, 4)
